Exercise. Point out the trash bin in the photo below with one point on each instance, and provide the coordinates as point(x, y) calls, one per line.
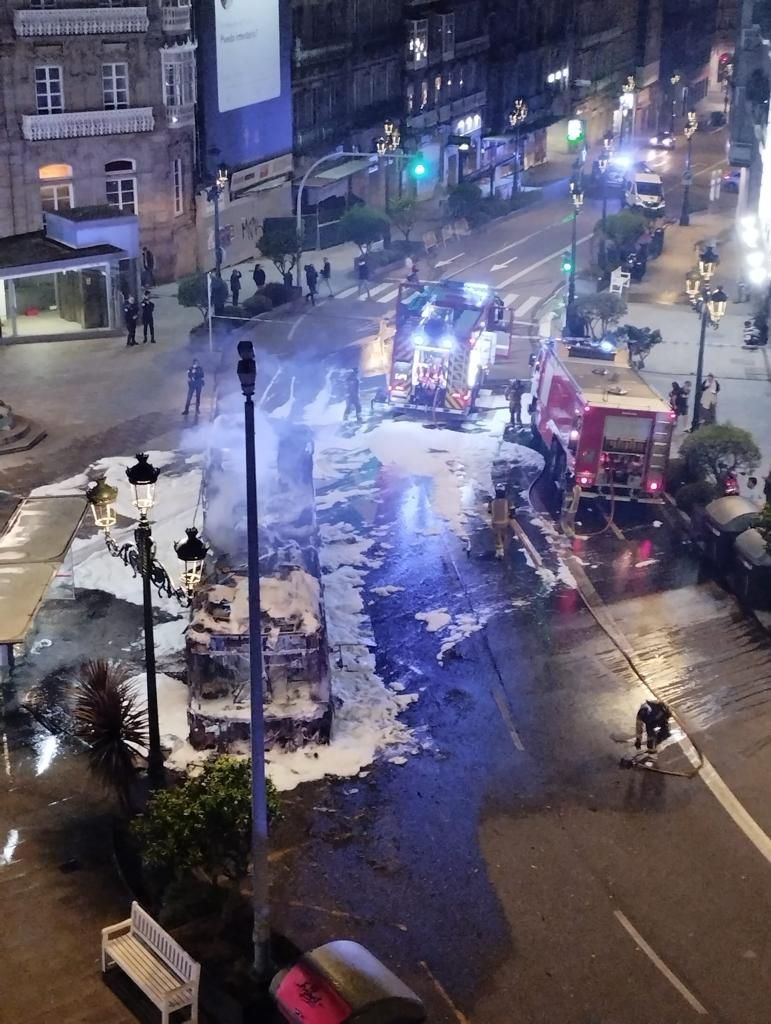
point(724, 519)
point(342, 982)
point(751, 570)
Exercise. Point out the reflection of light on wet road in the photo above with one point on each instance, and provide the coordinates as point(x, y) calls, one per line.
point(6, 756)
point(46, 752)
point(10, 847)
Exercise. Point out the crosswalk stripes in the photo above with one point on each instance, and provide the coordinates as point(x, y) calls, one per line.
point(389, 296)
point(346, 292)
point(527, 305)
point(508, 300)
point(376, 290)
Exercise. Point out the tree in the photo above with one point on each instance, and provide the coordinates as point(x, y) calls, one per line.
point(622, 232)
point(362, 225)
point(600, 310)
point(282, 246)
point(112, 721)
point(718, 448)
point(205, 824)
point(403, 214)
point(763, 525)
point(192, 291)
point(464, 200)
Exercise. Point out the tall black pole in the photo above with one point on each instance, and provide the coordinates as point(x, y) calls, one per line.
point(685, 215)
point(261, 927)
point(217, 249)
point(572, 278)
point(700, 363)
point(603, 244)
point(518, 172)
point(144, 541)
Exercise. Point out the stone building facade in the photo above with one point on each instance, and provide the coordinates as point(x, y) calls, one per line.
point(98, 105)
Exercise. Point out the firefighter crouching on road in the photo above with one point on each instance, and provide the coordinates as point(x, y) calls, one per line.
point(654, 716)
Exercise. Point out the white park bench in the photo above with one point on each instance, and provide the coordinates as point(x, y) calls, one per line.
point(154, 962)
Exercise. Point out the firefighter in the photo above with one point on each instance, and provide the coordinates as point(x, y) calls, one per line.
point(499, 512)
point(514, 393)
point(654, 716)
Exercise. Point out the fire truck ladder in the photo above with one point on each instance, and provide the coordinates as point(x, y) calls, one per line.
point(661, 439)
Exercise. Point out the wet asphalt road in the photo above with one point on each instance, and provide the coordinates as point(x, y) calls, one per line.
point(510, 873)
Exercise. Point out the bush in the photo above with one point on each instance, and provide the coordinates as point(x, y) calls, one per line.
point(496, 207)
point(258, 303)
point(192, 291)
point(277, 293)
point(678, 472)
point(363, 225)
point(701, 492)
point(719, 445)
point(464, 200)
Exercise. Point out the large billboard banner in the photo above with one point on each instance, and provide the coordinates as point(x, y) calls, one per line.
point(248, 52)
point(244, 87)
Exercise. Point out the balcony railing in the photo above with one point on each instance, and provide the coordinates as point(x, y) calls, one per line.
point(87, 124)
point(176, 20)
point(80, 21)
point(181, 116)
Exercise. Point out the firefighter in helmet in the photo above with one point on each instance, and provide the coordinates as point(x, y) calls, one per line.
point(653, 716)
point(499, 512)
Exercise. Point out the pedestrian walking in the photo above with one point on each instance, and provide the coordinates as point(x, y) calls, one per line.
point(131, 319)
point(326, 276)
point(148, 318)
point(710, 389)
point(674, 396)
point(352, 396)
point(412, 276)
point(362, 270)
point(235, 285)
point(148, 267)
point(681, 406)
point(258, 276)
point(312, 280)
point(514, 393)
point(195, 383)
point(767, 486)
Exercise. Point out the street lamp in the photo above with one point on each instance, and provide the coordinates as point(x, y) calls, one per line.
point(691, 125)
point(626, 102)
point(674, 78)
point(713, 307)
point(517, 117)
point(140, 558)
point(389, 142)
point(577, 195)
point(213, 194)
point(247, 374)
point(602, 164)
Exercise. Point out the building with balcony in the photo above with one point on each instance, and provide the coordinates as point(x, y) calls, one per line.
point(98, 106)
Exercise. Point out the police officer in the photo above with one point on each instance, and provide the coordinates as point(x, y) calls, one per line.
point(131, 318)
point(148, 318)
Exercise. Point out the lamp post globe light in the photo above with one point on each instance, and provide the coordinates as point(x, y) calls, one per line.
point(140, 558)
point(517, 118)
point(689, 129)
point(577, 195)
point(247, 374)
point(712, 310)
point(388, 143)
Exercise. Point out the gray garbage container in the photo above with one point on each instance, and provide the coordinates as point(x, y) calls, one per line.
point(751, 571)
point(724, 519)
point(341, 982)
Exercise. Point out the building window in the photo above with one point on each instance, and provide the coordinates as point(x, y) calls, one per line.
point(423, 94)
point(447, 29)
point(179, 80)
point(121, 185)
point(48, 89)
point(179, 198)
point(115, 86)
point(437, 88)
point(55, 187)
point(410, 98)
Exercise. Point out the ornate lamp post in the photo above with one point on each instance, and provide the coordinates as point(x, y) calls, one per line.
point(213, 194)
point(626, 102)
point(691, 125)
point(674, 78)
point(517, 117)
point(713, 306)
point(389, 142)
point(577, 195)
point(140, 558)
point(247, 374)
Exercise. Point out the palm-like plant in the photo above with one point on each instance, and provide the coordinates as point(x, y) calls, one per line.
point(113, 722)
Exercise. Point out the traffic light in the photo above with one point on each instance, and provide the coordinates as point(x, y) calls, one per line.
point(567, 263)
point(417, 166)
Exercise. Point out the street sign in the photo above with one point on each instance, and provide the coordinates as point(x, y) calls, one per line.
point(687, 178)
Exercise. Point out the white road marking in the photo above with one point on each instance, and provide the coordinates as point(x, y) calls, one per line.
point(389, 296)
point(527, 305)
point(452, 259)
point(499, 696)
point(295, 325)
point(506, 280)
point(346, 292)
point(273, 380)
point(505, 248)
point(659, 964)
point(502, 266)
point(546, 259)
point(378, 288)
point(740, 815)
point(508, 300)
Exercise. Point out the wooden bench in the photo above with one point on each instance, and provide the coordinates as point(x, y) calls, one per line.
point(154, 962)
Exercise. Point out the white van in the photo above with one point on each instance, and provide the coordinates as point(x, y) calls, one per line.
point(644, 191)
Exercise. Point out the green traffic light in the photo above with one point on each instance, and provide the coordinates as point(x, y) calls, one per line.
point(419, 170)
point(567, 263)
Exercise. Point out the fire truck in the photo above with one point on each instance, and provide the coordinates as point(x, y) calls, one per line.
point(603, 428)
point(444, 344)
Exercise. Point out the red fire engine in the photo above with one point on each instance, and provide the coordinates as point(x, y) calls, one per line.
point(603, 428)
point(444, 344)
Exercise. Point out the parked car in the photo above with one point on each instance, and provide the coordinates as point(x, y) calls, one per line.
point(664, 140)
point(731, 179)
point(644, 191)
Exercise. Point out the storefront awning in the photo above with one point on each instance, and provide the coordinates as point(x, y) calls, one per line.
point(36, 253)
point(332, 181)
